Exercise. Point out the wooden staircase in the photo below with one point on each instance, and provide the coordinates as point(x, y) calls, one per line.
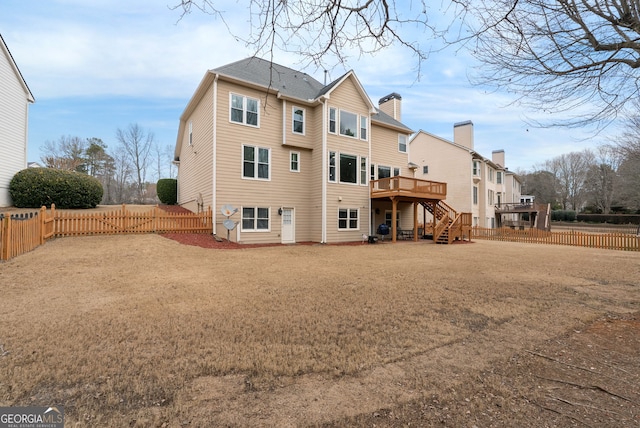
point(448, 224)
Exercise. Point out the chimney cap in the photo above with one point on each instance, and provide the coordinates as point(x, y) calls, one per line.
point(466, 122)
point(391, 96)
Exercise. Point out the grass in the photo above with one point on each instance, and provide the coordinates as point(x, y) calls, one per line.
point(119, 329)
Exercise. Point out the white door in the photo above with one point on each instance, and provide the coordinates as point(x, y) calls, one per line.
point(288, 234)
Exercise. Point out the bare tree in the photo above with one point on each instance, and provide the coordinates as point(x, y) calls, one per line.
point(542, 184)
point(602, 181)
point(628, 147)
point(571, 172)
point(67, 153)
point(580, 58)
point(321, 31)
point(137, 144)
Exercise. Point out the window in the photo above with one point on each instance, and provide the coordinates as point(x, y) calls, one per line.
point(372, 176)
point(294, 164)
point(388, 215)
point(363, 127)
point(396, 172)
point(255, 219)
point(190, 133)
point(244, 110)
point(490, 174)
point(332, 167)
point(348, 219)
point(490, 197)
point(348, 169)
point(475, 195)
point(332, 120)
point(298, 120)
point(402, 143)
point(348, 124)
point(499, 177)
point(384, 171)
point(425, 169)
point(363, 170)
point(476, 169)
point(255, 162)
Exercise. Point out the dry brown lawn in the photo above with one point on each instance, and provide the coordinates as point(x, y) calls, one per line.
point(144, 331)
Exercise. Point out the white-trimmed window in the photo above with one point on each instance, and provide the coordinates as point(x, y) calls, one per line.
point(332, 120)
point(490, 197)
point(475, 195)
point(384, 171)
point(244, 110)
point(363, 127)
point(476, 169)
point(491, 174)
point(425, 169)
point(388, 215)
point(402, 143)
point(255, 219)
point(255, 162)
point(332, 167)
point(348, 124)
point(499, 177)
point(190, 133)
point(348, 168)
point(298, 120)
point(396, 171)
point(363, 170)
point(294, 161)
point(348, 219)
point(372, 175)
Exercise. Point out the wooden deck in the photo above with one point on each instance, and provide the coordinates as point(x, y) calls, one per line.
point(408, 188)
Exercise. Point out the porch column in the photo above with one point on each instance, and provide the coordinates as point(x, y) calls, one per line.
point(415, 221)
point(394, 228)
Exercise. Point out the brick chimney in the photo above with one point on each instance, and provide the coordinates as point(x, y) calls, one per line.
point(463, 134)
point(391, 105)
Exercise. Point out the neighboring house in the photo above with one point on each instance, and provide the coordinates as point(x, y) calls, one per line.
point(300, 160)
point(15, 98)
point(475, 184)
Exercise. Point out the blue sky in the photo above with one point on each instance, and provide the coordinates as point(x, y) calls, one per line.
point(96, 66)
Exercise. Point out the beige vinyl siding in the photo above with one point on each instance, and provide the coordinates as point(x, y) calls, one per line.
point(13, 126)
point(448, 163)
point(346, 195)
point(195, 170)
point(311, 137)
point(283, 188)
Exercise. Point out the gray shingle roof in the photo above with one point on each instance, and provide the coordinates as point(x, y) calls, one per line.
point(289, 82)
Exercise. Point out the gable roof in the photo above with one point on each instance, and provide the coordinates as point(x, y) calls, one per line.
point(288, 82)
point(16, 70)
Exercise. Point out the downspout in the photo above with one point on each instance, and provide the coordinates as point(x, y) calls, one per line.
point(215, 154)
point(323, 204)
point(368, 177)
point(284, 122)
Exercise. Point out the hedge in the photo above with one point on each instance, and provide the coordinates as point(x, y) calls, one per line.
point(35, 187)
point(167, 190)
point(610, 218)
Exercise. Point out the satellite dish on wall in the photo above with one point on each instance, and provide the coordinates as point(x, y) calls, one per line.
point(229, 224)
point(228, 210)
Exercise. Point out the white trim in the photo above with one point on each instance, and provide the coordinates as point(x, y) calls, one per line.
point(256, 162)
point(348, 228)
point(255, 220)
point(291, 152)
point(325, 153)
point(215, 153)
point(244, 110)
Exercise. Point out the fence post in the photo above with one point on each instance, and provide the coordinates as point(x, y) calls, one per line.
point(6, 237)
point(43, 213)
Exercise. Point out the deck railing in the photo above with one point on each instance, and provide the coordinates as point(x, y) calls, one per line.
point(408, 186)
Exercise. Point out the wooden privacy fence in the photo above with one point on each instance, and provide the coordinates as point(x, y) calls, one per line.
point(20, 233)
point(607, 241)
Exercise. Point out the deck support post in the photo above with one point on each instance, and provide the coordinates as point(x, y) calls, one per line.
point(415, 222)
point(394, 226)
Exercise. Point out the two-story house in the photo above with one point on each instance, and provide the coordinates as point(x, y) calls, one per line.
point(475, 184)
point(281, 157)
point(15, 98)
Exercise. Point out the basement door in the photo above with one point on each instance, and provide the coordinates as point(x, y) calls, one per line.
point(288, 234)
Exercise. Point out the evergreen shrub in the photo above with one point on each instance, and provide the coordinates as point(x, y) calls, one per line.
point(35, 187)
point(167, 189)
